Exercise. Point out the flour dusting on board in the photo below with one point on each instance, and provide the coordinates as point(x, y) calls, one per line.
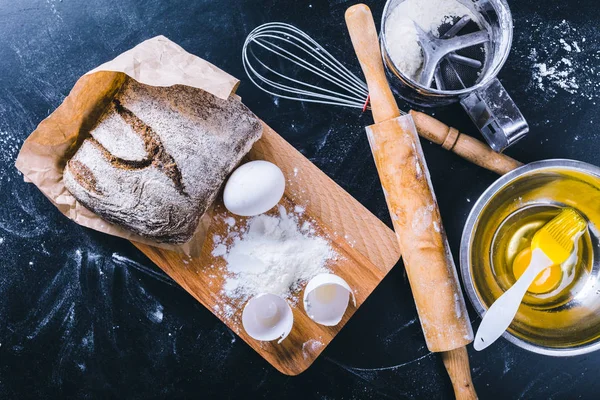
point(274, 254)
point(310, 347)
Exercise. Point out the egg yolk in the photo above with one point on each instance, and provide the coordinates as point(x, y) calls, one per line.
point(546, 280)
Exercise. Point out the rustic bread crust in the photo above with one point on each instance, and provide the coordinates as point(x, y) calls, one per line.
point(157, 158)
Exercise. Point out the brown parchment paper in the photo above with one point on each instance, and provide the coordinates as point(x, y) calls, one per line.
point(157, 62)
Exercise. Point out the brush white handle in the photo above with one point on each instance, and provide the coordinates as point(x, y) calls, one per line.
point(499, 316)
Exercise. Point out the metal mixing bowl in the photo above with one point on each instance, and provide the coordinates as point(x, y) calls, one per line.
point(566, 321)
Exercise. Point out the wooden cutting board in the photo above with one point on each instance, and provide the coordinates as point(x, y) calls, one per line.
point(367, 251)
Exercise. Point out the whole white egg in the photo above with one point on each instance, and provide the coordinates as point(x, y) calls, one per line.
point(254, 188)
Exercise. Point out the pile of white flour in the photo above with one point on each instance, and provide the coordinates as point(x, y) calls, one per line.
point(272, 254)
point(401, 34)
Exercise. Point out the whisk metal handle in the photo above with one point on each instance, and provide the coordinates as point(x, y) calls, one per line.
point(366, 45)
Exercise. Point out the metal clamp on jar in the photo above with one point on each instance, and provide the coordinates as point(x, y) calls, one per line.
point(461, 64)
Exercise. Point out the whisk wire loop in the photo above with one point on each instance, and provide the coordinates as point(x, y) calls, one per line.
point(305, 54)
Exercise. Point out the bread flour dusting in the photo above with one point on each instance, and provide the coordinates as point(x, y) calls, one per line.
point(273, 254)
point(401, 34)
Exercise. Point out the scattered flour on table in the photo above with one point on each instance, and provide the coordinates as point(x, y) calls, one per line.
point(401, 34)
point(157, 315)
point(271, 254)
point(10, 145)
point(565, 58)
point(559, 74)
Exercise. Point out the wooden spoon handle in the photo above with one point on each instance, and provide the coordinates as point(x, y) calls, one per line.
point(465, 146)
point(366, 44)
point(457, 365)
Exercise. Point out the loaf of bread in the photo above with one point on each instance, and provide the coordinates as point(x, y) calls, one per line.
point(158, 156)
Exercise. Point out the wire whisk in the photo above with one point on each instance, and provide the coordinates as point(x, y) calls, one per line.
point(287, 63)
point(276, 54)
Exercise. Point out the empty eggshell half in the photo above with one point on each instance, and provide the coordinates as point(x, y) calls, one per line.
point(254, 188)
point(267, 317)
point(326, 299)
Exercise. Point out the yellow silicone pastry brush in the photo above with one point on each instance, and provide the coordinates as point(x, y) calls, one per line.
point(550, 245)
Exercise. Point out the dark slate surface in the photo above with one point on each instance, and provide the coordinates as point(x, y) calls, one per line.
point(86, 315)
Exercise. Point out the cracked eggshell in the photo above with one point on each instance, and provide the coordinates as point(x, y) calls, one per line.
point(254, 188)
point(267, 317)
point(326, 298)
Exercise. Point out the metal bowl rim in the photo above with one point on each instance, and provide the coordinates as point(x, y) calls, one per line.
point(465, 247)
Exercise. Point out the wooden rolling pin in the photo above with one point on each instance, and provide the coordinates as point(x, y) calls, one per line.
point(415, 215)
point(465, 146)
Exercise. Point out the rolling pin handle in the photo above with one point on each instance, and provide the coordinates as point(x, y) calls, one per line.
point(467, 147)
point(363, 34)
point(451, 138)
point(457, 365)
